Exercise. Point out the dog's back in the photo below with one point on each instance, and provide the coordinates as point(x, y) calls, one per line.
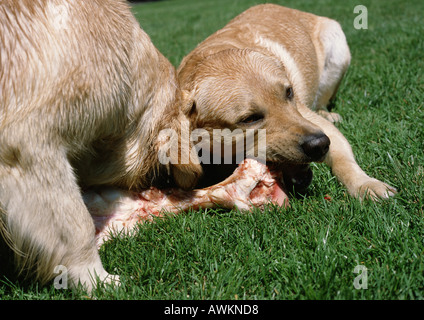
point(297, 38)
point(54, 57)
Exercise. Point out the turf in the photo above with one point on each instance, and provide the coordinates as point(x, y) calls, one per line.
point(310, 250)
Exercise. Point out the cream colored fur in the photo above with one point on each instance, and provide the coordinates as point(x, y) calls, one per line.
point(248, 67)
point(83, 96)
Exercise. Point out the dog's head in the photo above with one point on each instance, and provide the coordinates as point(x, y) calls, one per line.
point(245, 91)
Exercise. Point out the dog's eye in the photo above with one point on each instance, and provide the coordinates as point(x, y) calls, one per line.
point(289, 93)
point(253, 118)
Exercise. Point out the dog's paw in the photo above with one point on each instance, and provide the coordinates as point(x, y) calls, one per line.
point(92, 277)
point(330, 116)
point(98, 281)
point(112, 279)
point(375, 189)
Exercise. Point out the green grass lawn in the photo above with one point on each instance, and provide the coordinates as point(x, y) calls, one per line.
point(310, 250)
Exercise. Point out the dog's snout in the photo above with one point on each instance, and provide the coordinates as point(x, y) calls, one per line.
point(316, 146)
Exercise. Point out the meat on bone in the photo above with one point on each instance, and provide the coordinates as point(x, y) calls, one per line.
point(251, 185)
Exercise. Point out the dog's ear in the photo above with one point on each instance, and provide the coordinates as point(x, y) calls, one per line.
point(179, 158)
point(185, 164)
point(189, 105)
point(187, 170)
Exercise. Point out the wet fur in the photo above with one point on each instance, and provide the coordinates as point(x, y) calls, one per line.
point(84, 94)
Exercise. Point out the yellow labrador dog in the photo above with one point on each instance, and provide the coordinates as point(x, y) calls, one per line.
point(83, 96)
point(269, 68)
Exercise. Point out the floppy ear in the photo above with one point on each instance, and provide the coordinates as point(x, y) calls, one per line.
point(179, 157)
point(189, 106)
point(187, 170)
point(185, 166)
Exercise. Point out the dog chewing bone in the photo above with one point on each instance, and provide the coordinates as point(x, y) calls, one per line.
point(252, 184)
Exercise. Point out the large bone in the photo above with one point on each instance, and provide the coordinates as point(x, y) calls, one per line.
point(251, 185)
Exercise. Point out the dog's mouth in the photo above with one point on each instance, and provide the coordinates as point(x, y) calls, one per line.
point(280, 182)
point(296, 177)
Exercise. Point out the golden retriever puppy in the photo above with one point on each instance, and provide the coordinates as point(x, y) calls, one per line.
point(270, 68)
point(83, 96)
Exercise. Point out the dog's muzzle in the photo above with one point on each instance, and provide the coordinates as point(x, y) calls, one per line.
point(316, 146)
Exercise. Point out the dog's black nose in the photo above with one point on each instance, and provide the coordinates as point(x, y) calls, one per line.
point(316, 146)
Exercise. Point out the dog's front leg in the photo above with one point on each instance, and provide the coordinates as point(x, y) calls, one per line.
point(343, 164)
point(45, 220)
